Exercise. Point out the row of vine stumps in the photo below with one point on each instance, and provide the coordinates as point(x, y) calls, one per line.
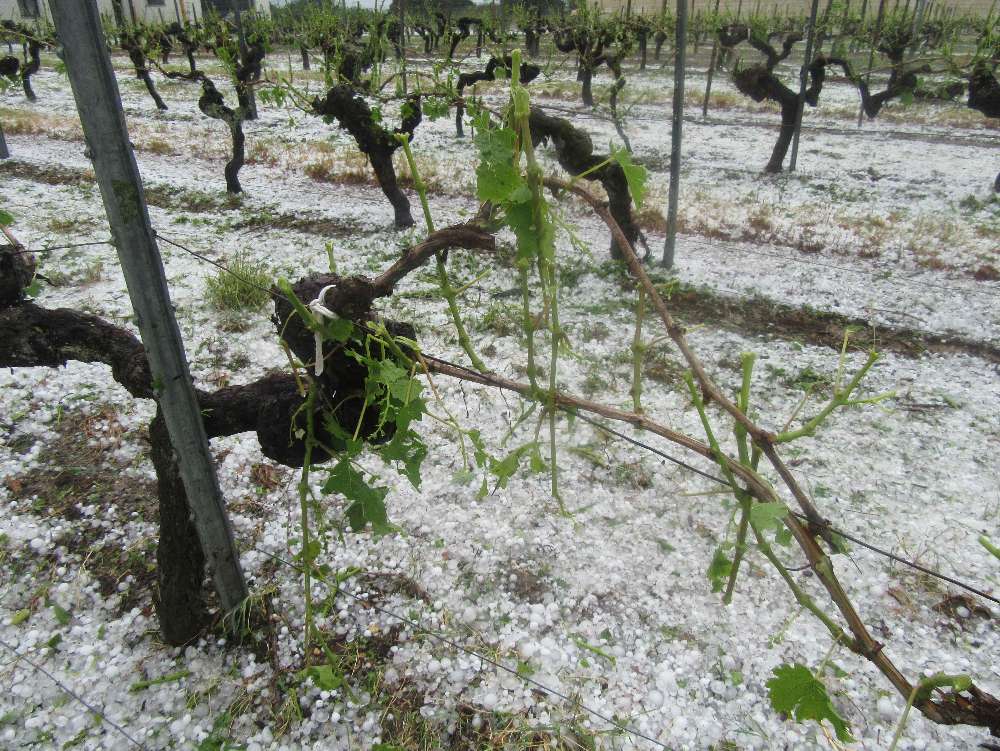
point(354, 384)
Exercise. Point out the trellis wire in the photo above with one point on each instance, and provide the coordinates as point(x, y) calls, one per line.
point(73, 695)
point(912, 564)
point(847, 536)
point(737, 245)
point(471, 652)
point(679, 462)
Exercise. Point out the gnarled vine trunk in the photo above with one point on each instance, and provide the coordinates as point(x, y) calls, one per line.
point(353, 114)
point(575, 153)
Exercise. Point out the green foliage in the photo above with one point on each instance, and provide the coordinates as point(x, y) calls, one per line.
point(367, 503)
point(635, 175)
point(243, 287)
point(498, 178)
point(325, 677)
point(169, 678)
point(582, 644)
point(62, 615)
point(6, 219)
point(434, 107)
point(393, 394)
point(768, 515)
point(720, 568)
point(272, 95)
point(795, 691)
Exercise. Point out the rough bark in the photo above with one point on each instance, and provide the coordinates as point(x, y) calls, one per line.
point(17, 269)
point(984, 91)
point(465, 24)
point(180, 563)
point(353, 114)
point(212, 104)
point(133, 45)
point(248, 72)
point(189, 45)
point(984, 96)
point(575, 153)
point(33, 61)
point(528, 73)
point(12, 68)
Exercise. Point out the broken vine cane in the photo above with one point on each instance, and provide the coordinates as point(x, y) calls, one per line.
point(982, 709)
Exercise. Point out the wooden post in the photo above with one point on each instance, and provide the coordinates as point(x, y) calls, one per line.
point(803, 79)
point(78, 26)
point(680, 57)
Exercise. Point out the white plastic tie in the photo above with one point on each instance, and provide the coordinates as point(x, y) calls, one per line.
point(319, 309)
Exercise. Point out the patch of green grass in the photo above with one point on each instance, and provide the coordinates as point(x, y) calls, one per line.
point(809, 379)
point(243, 287)
point(503, 319)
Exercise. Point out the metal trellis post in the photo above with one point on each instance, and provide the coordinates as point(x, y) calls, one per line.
point(712, 62)
point(871, 54)
point(680, 57)
point(803, 78)
point(85, 51)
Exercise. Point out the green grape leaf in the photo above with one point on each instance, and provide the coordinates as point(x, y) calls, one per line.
point(343, 440)
point(61, 614)
point(521, 219)
point(407, 449)
point(310, 552)
point(33, 289)
point(6, 219)
point(411, 411)
point(797, 692)
point(338, 329)
point(368, 503)
point(719, 569)
point(323, 676)
point(768, 515)
point(537, 462)
point(784, 536)
point(635, 175)
point(480, 448)
point(435, 107)
point(498, 178)
point(370, 511)
point(507, 467)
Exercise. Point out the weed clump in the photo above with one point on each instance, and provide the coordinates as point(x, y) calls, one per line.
point(243, 287)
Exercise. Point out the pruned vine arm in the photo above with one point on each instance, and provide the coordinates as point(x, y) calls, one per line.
point(469, 236)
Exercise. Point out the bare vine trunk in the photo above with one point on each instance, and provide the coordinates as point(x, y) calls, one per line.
point(180, 563)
